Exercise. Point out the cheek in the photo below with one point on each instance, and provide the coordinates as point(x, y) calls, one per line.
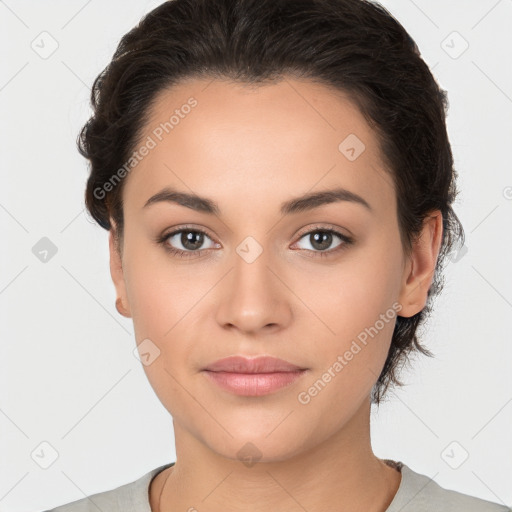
point(349, 298)
point(358, 307)
point(166, 302)
point(161, 302)
point(349, 362)
point(160, 292)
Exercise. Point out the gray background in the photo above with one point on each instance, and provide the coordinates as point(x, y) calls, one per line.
point(69, 378)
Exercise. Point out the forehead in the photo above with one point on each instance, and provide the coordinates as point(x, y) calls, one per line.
point(219, 138)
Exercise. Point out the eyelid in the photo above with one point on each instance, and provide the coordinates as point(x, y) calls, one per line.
point(324, 227)
point(189, 227)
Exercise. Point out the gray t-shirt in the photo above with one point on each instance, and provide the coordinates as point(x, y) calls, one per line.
point(416, 493)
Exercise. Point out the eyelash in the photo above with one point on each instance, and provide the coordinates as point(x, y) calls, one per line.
point(346, 241)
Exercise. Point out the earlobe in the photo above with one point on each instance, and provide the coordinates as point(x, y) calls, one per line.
point(121, 309)
point(419, 271)
point(117, 274)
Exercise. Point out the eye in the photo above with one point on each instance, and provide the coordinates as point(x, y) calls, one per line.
point(186, 242)
point(189, 242)
point(321, 239)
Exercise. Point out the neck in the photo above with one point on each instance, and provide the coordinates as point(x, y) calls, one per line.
point(341, 474)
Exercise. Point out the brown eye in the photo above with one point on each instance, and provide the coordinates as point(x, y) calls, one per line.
point(186, 242)
point(191, 240)
point(321, 241)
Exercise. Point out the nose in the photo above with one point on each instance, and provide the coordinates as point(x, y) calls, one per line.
point(253, 297)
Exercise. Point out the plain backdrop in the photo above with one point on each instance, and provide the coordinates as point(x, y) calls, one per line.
point(77, 415)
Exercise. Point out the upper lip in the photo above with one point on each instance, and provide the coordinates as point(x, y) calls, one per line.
point(261, 364)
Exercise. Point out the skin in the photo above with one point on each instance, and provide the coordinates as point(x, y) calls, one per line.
point(250, 149)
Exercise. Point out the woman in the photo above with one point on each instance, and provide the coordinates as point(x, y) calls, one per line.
point(278, 183)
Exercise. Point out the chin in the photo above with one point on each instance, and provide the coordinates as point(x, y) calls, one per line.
point(250, 452)
point(253, 445)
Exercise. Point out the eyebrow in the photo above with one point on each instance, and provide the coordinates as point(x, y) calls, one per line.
point(296, 205)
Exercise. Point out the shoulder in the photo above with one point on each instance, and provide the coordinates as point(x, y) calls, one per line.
point(130, 497)
point(419, 493)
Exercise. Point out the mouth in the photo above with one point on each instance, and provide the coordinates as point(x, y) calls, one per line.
point(253, 376)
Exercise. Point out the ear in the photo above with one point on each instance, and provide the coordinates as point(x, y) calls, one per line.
point(419, 270)
point(117, 274)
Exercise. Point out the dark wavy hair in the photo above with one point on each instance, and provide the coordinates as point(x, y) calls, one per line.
point(354, 46)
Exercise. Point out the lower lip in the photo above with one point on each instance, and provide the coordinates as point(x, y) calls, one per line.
point(254, 384)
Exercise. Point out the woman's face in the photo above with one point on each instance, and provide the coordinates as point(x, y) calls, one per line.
point(268, 277)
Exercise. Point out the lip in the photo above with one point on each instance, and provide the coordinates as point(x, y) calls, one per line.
point(261, 364)
point(253, 376)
